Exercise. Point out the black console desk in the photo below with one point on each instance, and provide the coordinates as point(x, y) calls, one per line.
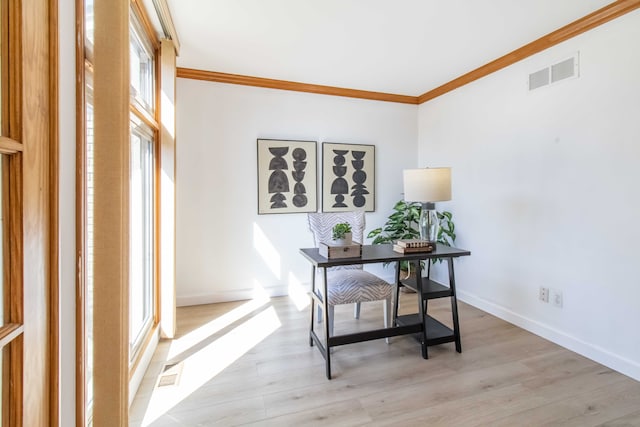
point(431, 332)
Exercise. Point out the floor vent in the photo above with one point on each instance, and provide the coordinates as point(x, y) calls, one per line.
point(170, 375)
point(566, 69)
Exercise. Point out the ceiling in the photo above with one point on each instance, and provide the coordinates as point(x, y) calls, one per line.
point(405, 47)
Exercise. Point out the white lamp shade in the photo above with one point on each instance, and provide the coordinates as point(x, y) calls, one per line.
point(427, 185)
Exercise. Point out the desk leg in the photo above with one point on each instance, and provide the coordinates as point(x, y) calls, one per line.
point(421, 309)
point(454, 306)
point(396, 300)
point(313, 303)
point(325, 315)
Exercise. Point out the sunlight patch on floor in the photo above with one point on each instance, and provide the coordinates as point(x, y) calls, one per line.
point(205, 364)
point(184, 343)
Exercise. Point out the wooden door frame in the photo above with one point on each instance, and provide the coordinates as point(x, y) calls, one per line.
point(32, 124)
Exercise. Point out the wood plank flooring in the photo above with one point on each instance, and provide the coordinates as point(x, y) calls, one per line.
point(249, 363)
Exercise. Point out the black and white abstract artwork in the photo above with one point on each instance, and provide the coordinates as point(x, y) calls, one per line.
point(348, 177)
point(287, 176)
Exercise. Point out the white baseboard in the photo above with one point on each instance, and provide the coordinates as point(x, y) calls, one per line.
point(230, 295)
point(621, 364)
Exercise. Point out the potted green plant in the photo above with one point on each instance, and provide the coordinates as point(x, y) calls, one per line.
point(403, 224)
point(341, 234)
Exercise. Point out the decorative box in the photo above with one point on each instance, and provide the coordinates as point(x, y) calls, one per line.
point(333, 252)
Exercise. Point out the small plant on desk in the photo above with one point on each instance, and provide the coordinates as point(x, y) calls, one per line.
point(341, 234)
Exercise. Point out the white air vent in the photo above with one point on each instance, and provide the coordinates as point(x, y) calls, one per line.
point(539, 79)
point(566, 69)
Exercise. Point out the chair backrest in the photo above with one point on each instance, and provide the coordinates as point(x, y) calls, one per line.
point(321, 225)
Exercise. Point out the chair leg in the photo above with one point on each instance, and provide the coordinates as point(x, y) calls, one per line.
point(330, 318)
point(387, 315)
point(356, 311)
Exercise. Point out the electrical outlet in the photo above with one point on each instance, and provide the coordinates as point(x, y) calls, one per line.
point(556, 297)
point(543, 294)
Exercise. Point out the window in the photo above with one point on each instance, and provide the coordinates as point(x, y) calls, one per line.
point(142, 68)
point(2, 240)
point(89, 212)
point(143, 130)
point(2, 244)
point(141, 207)
point(86, 241)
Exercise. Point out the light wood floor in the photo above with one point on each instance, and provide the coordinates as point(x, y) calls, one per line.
point(238, 364)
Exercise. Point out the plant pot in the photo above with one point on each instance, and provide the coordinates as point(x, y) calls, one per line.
point(345, 241)
point(411, 276)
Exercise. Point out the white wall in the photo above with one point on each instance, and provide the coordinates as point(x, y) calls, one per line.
point(225, 249)
point(546, 192)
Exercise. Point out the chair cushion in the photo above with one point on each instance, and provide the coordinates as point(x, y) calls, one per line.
point(351, 286)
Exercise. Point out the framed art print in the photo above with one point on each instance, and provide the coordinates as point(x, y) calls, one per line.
point(348, 177)
point(287, 176)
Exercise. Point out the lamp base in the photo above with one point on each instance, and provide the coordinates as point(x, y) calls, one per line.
point(428, 225)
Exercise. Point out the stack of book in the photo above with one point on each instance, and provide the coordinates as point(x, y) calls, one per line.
point(410, 246)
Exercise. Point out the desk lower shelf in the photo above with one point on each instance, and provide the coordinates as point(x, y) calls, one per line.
point(430, 288)
point(437, 333)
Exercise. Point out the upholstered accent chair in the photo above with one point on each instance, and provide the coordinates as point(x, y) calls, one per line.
point(348, 284)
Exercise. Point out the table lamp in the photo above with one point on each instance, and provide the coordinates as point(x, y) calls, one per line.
point(427, 186)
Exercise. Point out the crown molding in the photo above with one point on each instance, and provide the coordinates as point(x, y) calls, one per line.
point(237, 79)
